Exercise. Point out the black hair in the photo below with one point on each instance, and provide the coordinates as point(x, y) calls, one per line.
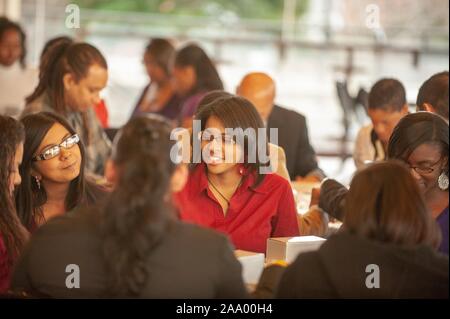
point(434, 91)
point(137, 214)
point(208, 78)
point(416, 129)
point(388, 95)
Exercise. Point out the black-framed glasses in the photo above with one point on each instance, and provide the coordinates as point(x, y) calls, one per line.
point(54, 151)
point(424, 170)
point(208, 136)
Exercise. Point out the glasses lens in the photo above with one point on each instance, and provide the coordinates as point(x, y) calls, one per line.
point(70, 141)
point(51, 152)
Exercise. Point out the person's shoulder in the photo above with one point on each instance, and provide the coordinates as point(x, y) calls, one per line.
point(80, 220)
point(303, 269)
point(197, 236)
point(34, 106)
point(365, 131)
point(289, 114)
point(273, 181)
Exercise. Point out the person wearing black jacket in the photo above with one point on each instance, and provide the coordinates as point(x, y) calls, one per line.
point(385, 249)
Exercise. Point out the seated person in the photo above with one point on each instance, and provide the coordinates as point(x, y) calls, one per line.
point(132, 246)
point(100, 108)
point(421, 141)
point(194, 75)
point(17, 80)
point(301, 160)
point(159, 95)
point(433, 95)
point(52, 170)
point(71, 77)
point(386, 247)
point(386, 106)
point(12, 234)
point(228, 188)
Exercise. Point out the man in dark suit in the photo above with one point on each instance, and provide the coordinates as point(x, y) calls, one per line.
point(259, 88)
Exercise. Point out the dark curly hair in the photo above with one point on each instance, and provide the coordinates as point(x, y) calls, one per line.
point(11, 229)
point(138, 212)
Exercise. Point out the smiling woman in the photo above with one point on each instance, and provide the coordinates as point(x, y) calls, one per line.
point(52, 171)
point(421, 141)
point(228, 190)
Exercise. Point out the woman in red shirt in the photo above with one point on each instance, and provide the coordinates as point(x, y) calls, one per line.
point(12, 234)
point(229, 188)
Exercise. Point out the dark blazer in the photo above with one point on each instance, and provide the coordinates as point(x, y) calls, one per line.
point(339, 270)
point(190, 262)
point(293, 138)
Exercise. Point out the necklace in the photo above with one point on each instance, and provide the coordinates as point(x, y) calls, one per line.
point(219, 192)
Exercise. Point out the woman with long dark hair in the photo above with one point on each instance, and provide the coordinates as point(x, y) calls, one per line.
point(52, 170)
point(12, 234)
point(133, 245)
point(70, 80)
point(194, 75)
point(229, 188)
point(421, 141)
point(386, 247)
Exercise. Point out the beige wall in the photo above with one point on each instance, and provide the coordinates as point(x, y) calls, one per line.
point(11, 8)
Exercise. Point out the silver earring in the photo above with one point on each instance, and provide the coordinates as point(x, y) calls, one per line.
point(38, 182)
point(443, 181)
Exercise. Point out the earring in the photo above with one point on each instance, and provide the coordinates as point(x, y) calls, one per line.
point(443, 181)
point(38, 182)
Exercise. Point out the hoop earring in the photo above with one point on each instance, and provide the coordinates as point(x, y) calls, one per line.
point(443, 181)
point(38, 182)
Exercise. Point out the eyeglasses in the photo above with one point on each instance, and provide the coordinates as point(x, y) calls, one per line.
point(424, 170)
point(207, 136)
point(55, 150)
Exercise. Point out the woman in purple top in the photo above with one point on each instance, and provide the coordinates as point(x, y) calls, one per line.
point(194, 75)
point(421, 140)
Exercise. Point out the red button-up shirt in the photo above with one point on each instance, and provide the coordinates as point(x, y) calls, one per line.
point(253, 216)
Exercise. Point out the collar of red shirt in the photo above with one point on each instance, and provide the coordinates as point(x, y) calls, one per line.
point(199, 175)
